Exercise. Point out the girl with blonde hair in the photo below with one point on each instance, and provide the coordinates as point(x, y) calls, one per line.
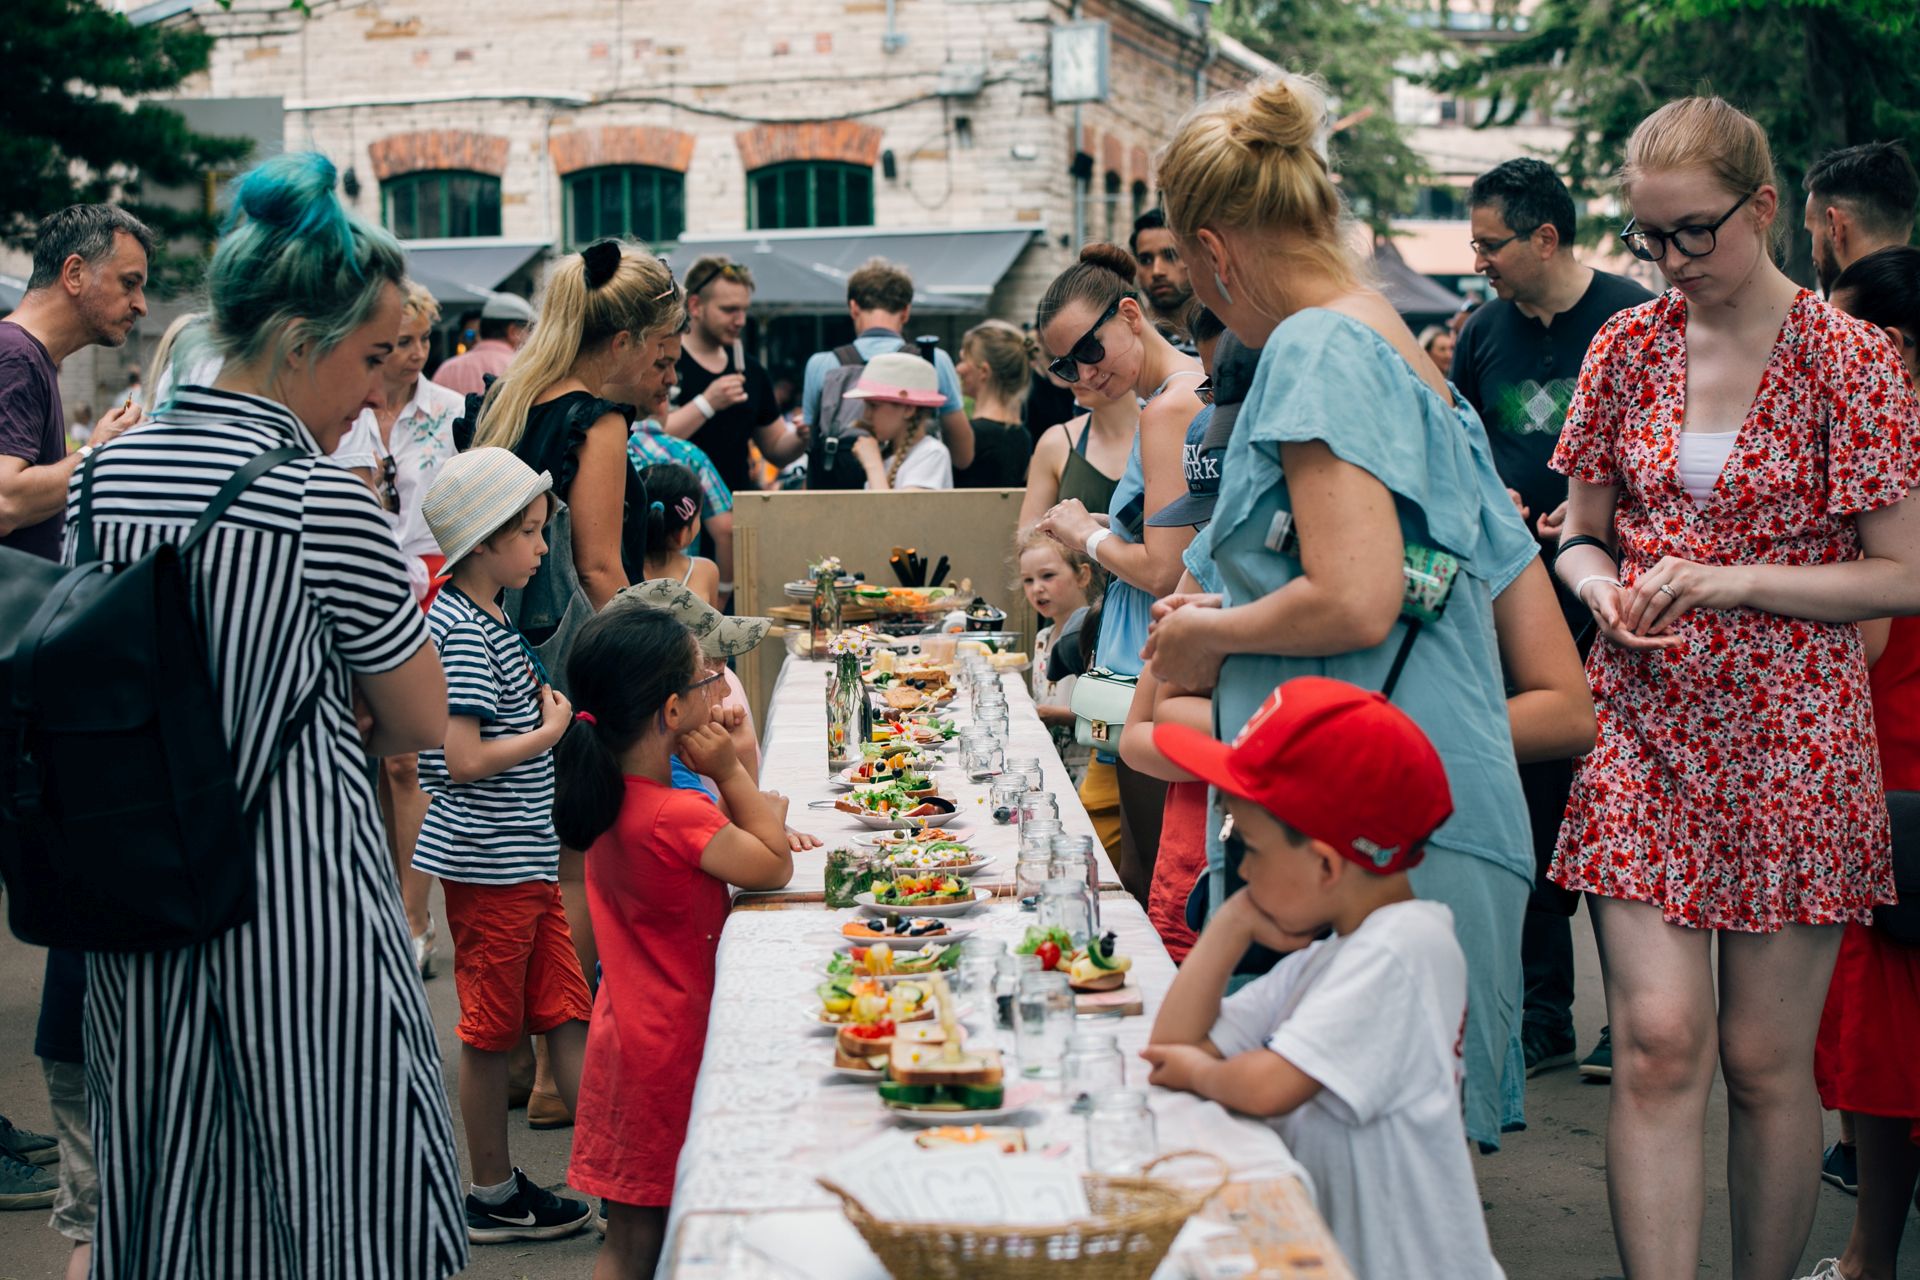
point(996, 372)
point(1739, 457)
point(1348, 455)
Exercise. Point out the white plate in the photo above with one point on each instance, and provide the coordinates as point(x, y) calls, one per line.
point(1018, 1097)
point(845, 781)
point(870, 1076)
point(895, 821)
point(953, 935)
point(942, 911)
point(965, 870)
point(878, 844)
point(810, 1014)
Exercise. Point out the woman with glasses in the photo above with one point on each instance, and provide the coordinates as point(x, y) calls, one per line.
point(1095, 331)
point(1358, 495)
point(1739, 456)
point(398, 449)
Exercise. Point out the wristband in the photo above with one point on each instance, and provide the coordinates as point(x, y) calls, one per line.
point(1584, 540)
point(1094, 540)
point(726, 589)
point(705, 406)
point(1581, 585)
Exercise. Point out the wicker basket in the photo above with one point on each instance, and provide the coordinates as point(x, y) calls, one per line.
point(1135, 1222)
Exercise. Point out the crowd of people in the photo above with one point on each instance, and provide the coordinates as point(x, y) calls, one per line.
point(1603, 596)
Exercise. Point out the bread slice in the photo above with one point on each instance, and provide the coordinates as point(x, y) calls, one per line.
point(915, 1064)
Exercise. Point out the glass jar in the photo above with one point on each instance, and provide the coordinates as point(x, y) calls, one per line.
point(1003, 800)
point(994, 720)
point(1021, 765)
point(1072, 855)
point(1038, 838)
point(1030, 876)
point(1093, 1065)
point(1038, 805)
point(1008, 968)
point(1121, 1134)
point(978, 967)
point(1066, 904)
point(1043, 1018)
point(849, 872)
point(981, 754)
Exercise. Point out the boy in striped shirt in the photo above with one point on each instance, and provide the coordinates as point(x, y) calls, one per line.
point(489, 834)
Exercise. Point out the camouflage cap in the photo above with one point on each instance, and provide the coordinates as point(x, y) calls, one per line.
point(719, 635)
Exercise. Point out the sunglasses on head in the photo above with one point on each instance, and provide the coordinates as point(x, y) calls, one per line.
point(1088, 350)
point(730, 270)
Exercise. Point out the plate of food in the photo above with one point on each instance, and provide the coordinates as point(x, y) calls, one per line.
point(885, 771)
point(932, 733)
point(947, 1084)
point(898, 929)
point(904, 755)
point(892, 962)
point(906, 697)
point(864, 1050)
point(885, 809)
point(947, 856)
point(939, 896)
point(1005, 1139)
point(1098, 966)
point(856, 1001)
point(894, 839)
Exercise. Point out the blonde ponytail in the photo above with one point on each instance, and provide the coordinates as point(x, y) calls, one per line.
point(640, 298)
point(1007, 356)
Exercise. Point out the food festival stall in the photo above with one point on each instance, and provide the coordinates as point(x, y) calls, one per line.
point(956, 1137)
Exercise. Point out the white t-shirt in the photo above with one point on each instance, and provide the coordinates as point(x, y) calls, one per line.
point(422, 439)
point(1377, 1018)
point(927, 465)
point(1057, 693)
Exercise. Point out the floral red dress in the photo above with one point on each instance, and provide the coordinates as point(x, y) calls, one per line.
point(1736, 783)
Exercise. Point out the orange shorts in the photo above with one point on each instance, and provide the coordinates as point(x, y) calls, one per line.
point(514, 965)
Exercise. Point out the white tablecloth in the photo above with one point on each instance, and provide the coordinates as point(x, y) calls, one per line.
point(793, 761)
point(768, 1113)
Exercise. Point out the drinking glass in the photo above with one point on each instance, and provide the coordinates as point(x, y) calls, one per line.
point(1093, 1065)
point(1008, 968)
point(1035, 805)
point(977, 969)
point(1003, 800)
point(1038, 838)
point(1043, 1014)
point(1121, 1135)
point(994, 720)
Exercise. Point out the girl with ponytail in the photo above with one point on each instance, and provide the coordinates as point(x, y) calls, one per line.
point(673, 525)
point(996, 373)
point(659, 864)
point(606, 340)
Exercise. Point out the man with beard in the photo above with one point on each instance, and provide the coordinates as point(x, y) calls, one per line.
point(88, 288)
point(1163, 277)
point(1859, 200)
point(1516, 361)
point(723, 396)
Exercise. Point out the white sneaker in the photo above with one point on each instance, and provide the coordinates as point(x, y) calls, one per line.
point(1828, 1269)
point(423, 950)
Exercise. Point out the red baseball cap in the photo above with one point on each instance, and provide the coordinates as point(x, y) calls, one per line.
point(1334, 762)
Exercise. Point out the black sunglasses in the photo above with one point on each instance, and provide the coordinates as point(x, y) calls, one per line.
point(389, 491)
point(1692, 241)
point(1203, 391)
point(731, 270)
point(1088, 350)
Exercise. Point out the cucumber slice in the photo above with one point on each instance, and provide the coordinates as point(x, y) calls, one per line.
point(908, 1095)
point(1099, 951)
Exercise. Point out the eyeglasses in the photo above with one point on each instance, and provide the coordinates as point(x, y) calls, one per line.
point(731, 270)
point(1693, 241)
point(706, 680)
point(1487, 248)
point(1203, 391)
point(1088, 350)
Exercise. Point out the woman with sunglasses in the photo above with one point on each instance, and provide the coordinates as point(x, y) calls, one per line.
point(1349, 451)
point(398, 449)
point(1096, 332)
point(1739, 456)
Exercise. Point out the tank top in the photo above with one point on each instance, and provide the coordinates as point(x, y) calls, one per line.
point(1081, 479)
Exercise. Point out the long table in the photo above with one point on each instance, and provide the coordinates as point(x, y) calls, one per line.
point(769, 1114)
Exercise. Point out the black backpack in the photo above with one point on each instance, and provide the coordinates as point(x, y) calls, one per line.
point(121, 826)
point(830, 460)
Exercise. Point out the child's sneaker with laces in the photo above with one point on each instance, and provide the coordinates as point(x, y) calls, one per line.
point(530, 1213)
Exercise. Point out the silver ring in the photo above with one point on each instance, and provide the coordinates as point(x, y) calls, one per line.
point(1666, 589)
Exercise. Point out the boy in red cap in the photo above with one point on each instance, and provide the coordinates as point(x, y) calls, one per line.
point(1350, 1047)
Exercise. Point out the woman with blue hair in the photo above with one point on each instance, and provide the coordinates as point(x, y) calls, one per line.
point(268, 1103)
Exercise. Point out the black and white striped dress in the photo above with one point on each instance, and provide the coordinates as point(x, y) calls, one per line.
point(269, 1104)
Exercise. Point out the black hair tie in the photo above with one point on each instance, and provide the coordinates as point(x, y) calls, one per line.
point(1584, 540)
point(603, 260)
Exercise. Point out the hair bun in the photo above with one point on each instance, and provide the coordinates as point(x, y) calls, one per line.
point(1284, 112)
point(293, 193)
point(1113, 258)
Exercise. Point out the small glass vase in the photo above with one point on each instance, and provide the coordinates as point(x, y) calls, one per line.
point(824, 614)
point(849, 713)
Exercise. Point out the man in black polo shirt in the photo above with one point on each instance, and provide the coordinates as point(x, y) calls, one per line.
point(1516, 362)
point(723, 398)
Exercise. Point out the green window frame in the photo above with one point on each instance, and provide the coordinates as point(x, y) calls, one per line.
point(810, 193)
point(441, 204)
point(637, 200)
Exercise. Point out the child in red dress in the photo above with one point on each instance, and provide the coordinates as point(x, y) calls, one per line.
point(659, 863)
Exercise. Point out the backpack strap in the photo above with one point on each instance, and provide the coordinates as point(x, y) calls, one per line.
point(236, 484)
point(849, 355)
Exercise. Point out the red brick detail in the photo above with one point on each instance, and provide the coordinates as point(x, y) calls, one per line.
point(621, 144)
point(843, 140)
point(1111, 153)
point(1089, 140)
point(1138, 168)
point(439, 149)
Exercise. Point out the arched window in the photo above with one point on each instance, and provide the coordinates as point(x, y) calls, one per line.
point(1139, 199)
point(1113, 207)
point(635, 200)
point(441, 204)
point(810, 193)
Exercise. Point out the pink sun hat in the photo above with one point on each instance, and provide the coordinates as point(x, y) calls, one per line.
point(898, 377)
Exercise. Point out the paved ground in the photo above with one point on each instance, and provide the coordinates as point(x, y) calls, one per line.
point(1545, 1193)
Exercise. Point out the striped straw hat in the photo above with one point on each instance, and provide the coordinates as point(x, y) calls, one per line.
point(474, 494)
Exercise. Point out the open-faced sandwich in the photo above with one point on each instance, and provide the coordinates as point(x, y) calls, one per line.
point(851, 999)
point(894, 929)
point(943, 1077)
point(921, 891)
point(894, 802)
point(884, 959)
point(868, 1046)
point(927, 855)
point(1098, 966)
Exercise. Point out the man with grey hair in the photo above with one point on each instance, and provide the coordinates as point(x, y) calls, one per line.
point(88, 288)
